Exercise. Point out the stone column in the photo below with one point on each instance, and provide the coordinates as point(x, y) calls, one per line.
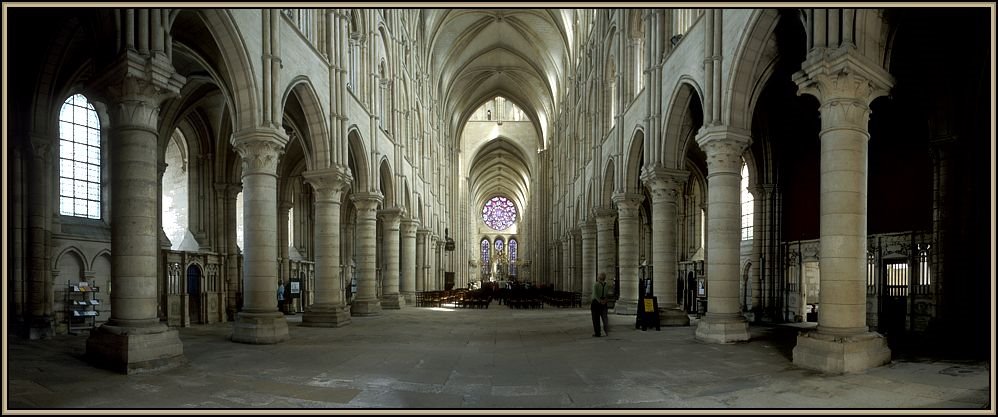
point(259, 322)
point(759, 199)
point(588, 259)
point(366, 301)
point(329, 308)
point(666, 187)
point(40, 322)
point(606, 246)
point(133, 339)
point(627, 247)
point(232, 273)
point(407, 283)
point(390, 298)
point(945, 151)
point(421, 265)
point(436, 278)
point(724, 322)
point(845, 85)
point(566, 257)
point(283, 242)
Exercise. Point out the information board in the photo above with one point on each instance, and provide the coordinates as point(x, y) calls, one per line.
point(647, 315)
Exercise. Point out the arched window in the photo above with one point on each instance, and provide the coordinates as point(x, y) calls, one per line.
point(512, 257)
point(500, 245)
point(499, 213)
point(239, 220)
point(499, 110)
point(175, 190)
point(747, 204)
point(486, 247)
point(79, 159)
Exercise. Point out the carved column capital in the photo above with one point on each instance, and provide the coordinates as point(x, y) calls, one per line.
point(133, 88)
point(724, 147)
point(665, 184)
point(260, 149)
point(329, 183)
point(366, 204)
point(408, 228)
point(844, 84)
point(627, 205)
point(391, 216)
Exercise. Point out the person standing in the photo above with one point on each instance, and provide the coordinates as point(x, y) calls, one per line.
point(598, 305)
point(280, 295)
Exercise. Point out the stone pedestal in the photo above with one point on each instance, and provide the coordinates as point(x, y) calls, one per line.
point(722, 328)
point(837, 354)
point(326, 315)
point(673, 317)
point(135, 349)
point(724, 147)
point(260, 328)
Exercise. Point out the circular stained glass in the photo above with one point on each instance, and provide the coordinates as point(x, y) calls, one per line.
point(499, 213)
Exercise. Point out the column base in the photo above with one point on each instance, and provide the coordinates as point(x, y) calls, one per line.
point(722, 329)
point(836, 354)
point(260, 328)
point(326, 315)
point(38, 328)
point(625, 308)
point(410, 298)
point(131, 350)
point(392, 302)
point(673, 317)
point(365, 308)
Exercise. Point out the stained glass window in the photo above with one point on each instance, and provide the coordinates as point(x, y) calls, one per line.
point(499, 245)
point(499, 213)
point(485, 256)
point(79, 159)
point(512, 257)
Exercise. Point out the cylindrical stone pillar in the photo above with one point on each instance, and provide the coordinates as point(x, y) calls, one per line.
point(259, 321)
point(627, 246)
point(588, 258)
point(606, 246)
point(666, 188)
point(407, 284)
point(329, 308)
point(421, 265)
point(366, 302)
point(133, 338)
point(390, 298)
point(845, 85)
point(41, 323)
point(724, 147)
point(567, 267)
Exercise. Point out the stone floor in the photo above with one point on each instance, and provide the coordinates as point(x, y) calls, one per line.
point(485, 360)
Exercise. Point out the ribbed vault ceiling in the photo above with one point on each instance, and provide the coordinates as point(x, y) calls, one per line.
point(521, 54)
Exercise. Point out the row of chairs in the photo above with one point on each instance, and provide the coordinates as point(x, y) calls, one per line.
point(461, 298)
point(563, 299)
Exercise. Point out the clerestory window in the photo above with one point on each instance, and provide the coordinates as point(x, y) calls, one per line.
point(79, 159)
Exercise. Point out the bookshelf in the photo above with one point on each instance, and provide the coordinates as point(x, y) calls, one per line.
point(81, 306)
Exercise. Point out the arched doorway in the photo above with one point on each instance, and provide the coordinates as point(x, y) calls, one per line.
point(194, 295)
